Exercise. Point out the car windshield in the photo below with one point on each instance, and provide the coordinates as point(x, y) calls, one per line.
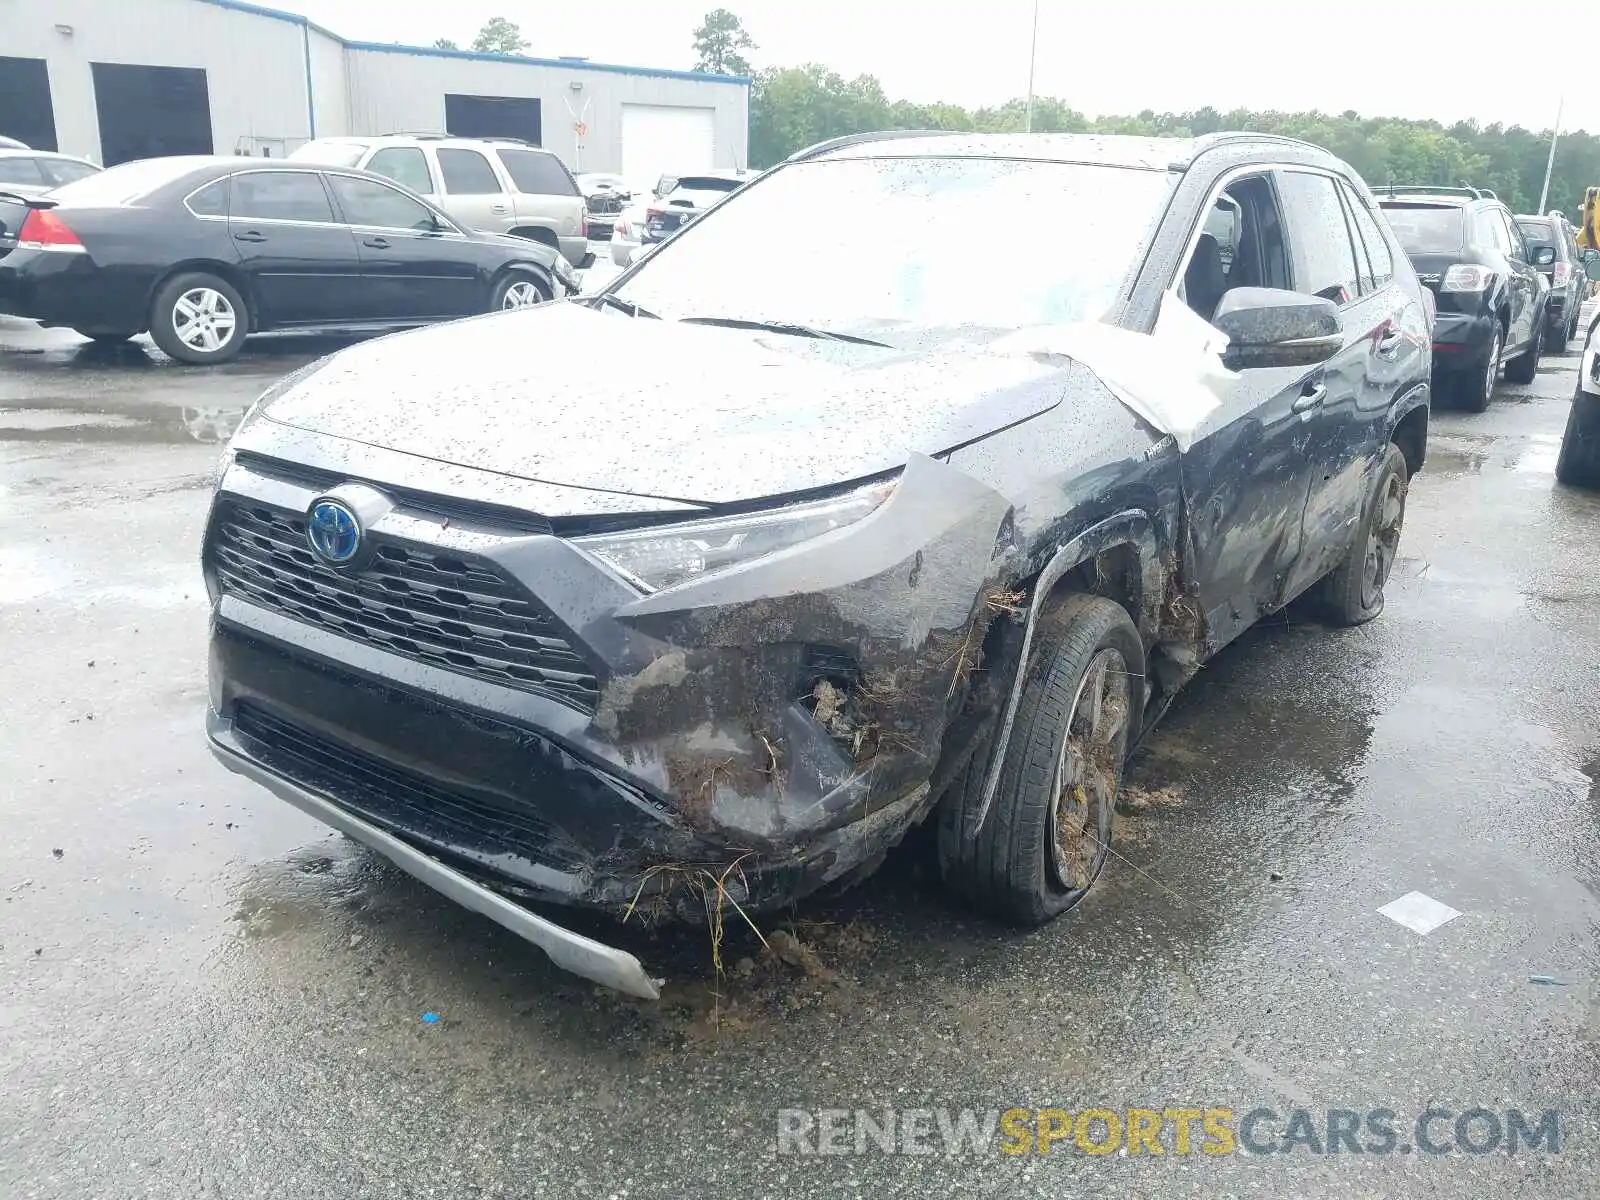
point(1426, 228)
point(852, 244)
point(124, 184)
point(332, 154)
point(1536, 231)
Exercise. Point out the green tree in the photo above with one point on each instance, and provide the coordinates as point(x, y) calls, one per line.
point(445, 44)
point(720, 43)
point(499, 36)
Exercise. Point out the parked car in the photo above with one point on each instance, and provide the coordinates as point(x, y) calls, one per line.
point(498, 185)
point(1578, 463)
point(685, 197)
point(604, 196)
point(1489, 292)
point(1569, 286)
point(25, 172)
point(7, 143)
point(203, 252)
point(828, 561)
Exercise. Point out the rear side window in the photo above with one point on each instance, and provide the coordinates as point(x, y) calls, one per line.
point(1379, 259)
point(1319, 237)
point(21, 169)
point(211, 200)
point(537, 174)
point(280, 196)
point(467, 173)
point(406, 165)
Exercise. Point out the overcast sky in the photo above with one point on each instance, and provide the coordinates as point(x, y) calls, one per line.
point(1421, 58)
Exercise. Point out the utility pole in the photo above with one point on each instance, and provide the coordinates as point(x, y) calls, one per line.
point(1033, 58)
point(1550, 163)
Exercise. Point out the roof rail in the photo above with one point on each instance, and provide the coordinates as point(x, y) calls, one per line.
point(856, 139)
point(1429, 189)
point(436, 136)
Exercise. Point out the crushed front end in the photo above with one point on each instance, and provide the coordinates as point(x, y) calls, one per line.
point(528, 707)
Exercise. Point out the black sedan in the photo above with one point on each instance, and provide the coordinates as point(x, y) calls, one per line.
point(204, 252)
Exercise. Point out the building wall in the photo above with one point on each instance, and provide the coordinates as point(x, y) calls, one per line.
point(254, 65)
point(258, 65)
point(393, 90)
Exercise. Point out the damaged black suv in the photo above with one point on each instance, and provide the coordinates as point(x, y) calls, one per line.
point(747, 567)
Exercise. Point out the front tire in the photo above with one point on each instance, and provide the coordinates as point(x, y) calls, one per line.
point(1047, 832)
point(1525, 366)
point(517, 289)
point(1353, 593)
point(1578, 464)
point(199, 318)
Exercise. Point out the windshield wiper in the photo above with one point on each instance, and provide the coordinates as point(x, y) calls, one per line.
point(784, 327)
point(621, 305)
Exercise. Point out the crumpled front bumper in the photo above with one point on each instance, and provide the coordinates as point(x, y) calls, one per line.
point(701, 752)
point(568, 950)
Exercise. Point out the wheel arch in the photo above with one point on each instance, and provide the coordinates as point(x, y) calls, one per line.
point(1410, 430)
point(542, 274)
point(542, 234)
point(1118, 558)
point(236, 278)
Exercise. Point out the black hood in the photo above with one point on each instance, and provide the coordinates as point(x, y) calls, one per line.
point(591, 399)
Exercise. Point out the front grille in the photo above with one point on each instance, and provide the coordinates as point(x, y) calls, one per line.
point(402, 801)
point(448, 610)
point(605, 204)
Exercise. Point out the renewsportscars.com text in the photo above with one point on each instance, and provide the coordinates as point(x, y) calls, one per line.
point(1215, 1131)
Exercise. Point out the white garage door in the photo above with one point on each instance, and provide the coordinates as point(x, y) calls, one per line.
point(659, 140)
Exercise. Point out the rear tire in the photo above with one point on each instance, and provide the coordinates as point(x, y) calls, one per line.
point(1578, 464)
point(199, 318)
point(1525, 366)
point(1353, 593)
point(1048, 831)
point(1476, 388)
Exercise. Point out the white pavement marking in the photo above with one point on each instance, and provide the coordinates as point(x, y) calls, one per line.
point(1418, 912)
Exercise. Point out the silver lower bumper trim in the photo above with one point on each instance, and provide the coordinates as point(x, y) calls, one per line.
point(568, 950)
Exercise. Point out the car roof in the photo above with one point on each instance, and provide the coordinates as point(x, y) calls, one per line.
point(411, 139)
point(1118, 150)
point(23, 152)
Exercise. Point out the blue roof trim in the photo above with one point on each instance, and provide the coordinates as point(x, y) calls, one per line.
point(570, 64)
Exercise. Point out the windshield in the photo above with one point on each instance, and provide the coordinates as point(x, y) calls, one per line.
point(329, 153)
point(126, 183)
point(849, 244)
point(1425, 228)
point(1537, 231)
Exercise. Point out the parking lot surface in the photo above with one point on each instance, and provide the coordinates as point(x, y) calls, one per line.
point(203, 993)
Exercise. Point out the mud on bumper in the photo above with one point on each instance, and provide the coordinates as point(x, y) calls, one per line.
point(777, 726)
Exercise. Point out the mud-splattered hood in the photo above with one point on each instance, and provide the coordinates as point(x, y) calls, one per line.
point(593, 399)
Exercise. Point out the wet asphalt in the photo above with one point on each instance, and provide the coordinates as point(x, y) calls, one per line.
point(203, 993)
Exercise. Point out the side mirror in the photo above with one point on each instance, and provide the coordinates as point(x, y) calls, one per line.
point(1270, 327)
point(1542, 256)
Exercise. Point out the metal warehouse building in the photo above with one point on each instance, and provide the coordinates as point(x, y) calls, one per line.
point(113, 80)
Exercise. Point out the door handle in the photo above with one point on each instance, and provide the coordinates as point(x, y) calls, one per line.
point(1310, 398)
point(377, 243)
point(250, 235)
point(499, 209)
point(1389, 343)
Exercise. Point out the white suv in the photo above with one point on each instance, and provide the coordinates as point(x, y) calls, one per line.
point(500, 185)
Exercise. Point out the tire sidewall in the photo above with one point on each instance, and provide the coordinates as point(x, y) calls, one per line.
point(1043, 722)
point(163, 329)
point(497, 297)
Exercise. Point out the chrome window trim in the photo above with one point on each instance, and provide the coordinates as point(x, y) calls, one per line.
point(452, 228)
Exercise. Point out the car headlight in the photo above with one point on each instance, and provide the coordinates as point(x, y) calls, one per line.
point(668, 555)
point(563, 272)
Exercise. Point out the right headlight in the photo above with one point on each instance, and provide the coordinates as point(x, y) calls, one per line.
point(667, 555)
